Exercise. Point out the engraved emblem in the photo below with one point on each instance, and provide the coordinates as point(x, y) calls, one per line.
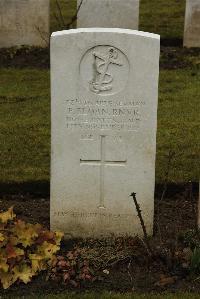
point(104, 70)
point(102, 79)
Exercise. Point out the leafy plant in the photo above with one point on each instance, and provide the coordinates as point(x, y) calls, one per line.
point(190, 238)
point(25, 249)
point(195, 261)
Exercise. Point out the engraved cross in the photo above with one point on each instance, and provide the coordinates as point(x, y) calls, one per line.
point(102, 163)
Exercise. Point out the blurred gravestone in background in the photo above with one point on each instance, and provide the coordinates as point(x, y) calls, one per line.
point(192, 24)
point(108, 13)
point(24, 22)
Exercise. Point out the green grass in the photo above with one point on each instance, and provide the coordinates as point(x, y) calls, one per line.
point(163, 17)
point(111, 295)
point(25, 124)
point(178, 125)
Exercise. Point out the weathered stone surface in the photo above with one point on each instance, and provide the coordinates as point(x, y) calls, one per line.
point(192, 24)
point(109, 14)
point(104, 112)
point(24, 22)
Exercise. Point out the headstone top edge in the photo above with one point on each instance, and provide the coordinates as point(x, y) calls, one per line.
point(106, 30)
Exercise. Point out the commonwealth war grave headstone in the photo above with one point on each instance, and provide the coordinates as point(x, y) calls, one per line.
point(108, 13)
point(24, 22)
point(192, 24)
point(104, 113)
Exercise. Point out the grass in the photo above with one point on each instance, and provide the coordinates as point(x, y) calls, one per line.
point(25, 124)
point(163, 17)
point(178, 125)
point(111, 295)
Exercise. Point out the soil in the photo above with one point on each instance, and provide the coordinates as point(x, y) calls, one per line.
point(134, 271)
point(22, 57)
point(179, 58)
point(172, 57)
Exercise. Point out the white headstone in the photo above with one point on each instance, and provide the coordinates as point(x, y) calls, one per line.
point(108, 14)
point(24, 22)
point(192, 24)
point(104, 112)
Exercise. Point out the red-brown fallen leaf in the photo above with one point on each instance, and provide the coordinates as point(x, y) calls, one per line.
point(46, 236)
point(13, 252)
point(166, 280)
point(66, 277)
point(60, 257)
point(10, 251)
point(63, 264)
point(88, 277)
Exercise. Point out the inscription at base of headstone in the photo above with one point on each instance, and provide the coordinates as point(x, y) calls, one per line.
point(104, 113)
point(24, 22)
point(192, 24)
point(108, 13)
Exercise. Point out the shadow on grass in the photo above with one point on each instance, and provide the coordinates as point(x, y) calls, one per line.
point(171, 42)
point(33, 188)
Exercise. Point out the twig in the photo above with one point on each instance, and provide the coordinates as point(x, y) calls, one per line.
point(42, 35)
point(145, 245)
point(74, 18)
point(62, 24)
point(60, 13)
point(197, 278)
point(79, 7)
point(139, 212)
point(129, 273)
point(118, 260)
